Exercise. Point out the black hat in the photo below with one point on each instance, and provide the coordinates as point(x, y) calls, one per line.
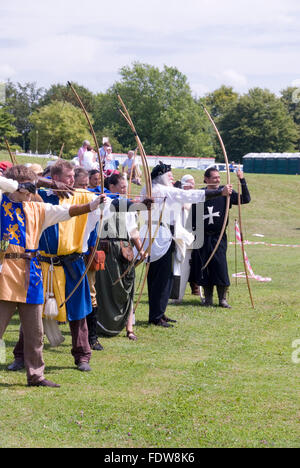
point(160, 169)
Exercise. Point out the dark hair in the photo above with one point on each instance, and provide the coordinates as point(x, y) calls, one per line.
point(209, 170)
point(21, 173)
point(114, 179)
point(177, 184)
point(47, 171)
point(93, 172)
point(106, 183)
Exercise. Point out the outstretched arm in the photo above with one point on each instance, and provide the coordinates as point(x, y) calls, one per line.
point(77, 210)
point(8, 185)
point(220, 192)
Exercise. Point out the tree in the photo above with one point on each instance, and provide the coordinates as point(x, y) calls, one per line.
point(257, 122)
point(219, 100)
point(57, 124)
point(7, 128)
point(60, 92)
point(161, 105)
point(291, 99)
point(217, 103)
point(21, 101)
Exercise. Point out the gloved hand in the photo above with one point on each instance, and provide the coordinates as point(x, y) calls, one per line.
point(27, 186)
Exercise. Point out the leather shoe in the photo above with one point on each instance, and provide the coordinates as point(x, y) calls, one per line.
point(16, 366)
point(168, 319)
point(97, 346)
point(44, 383)
point(162, 323)
point(84, 367)
point(132, 336)
point(224, 303)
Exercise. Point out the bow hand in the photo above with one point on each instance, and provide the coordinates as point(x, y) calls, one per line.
point(227, 190)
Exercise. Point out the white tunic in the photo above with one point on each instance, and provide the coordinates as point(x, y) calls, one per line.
point(174, 199)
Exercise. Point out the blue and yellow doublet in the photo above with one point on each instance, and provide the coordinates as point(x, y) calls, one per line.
point(21, 280)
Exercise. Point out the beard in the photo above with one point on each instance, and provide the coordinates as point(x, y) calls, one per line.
point(163, 180)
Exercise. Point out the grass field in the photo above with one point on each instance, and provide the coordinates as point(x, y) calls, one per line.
point(219, 378)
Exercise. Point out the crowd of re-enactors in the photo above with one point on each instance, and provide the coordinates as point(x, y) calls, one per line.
point(69, 248)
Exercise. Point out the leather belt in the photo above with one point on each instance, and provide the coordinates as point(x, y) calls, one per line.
point(63, 260)
point(54, 260)
point(23, 256)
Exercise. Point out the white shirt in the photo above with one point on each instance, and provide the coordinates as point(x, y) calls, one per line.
point(7, 185)
point(174, 198)
point(88, 161)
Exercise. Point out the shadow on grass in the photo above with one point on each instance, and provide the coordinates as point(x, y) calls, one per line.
point(192, 302)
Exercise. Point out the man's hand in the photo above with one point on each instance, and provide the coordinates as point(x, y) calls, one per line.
point(62, 190)
point(148, 202)
point(98, 200)
point(227, 190)
point(143, 254)
point(240, 174)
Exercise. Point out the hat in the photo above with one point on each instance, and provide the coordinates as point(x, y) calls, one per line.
point(185, 178)
point(5, 165)
point(160, 169)
point(37, 168)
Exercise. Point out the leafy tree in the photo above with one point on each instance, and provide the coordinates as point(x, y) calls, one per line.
point(21, 101)
point(257, 122)
point(219, 100)
point(291, 99)
point(60, 92)
point(216, 103)
point(57, 124)
point(162, 108)
point(7, 128)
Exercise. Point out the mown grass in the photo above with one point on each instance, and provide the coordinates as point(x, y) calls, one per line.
point(219, 378)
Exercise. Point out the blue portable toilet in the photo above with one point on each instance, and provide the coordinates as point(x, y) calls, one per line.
point(272, 163)
point(259, 165)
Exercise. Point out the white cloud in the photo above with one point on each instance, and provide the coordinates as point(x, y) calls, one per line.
point(6, 71)
point(234, 78)
point(208, 40)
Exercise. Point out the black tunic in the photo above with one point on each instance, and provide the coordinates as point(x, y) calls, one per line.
point(216, 273)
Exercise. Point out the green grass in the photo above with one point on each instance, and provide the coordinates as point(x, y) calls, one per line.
point(219, 378)
point(4, 156)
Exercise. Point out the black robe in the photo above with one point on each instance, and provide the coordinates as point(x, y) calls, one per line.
point(216, 273)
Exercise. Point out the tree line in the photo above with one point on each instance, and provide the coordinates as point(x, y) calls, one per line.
point(168, 118)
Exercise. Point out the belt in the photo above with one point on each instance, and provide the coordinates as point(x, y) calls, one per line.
point(63, 260)
point(23, 256)
point(113, 239)
point(54, 260)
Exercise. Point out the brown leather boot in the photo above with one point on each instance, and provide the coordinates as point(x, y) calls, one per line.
point(222, 291)
point(208, 296)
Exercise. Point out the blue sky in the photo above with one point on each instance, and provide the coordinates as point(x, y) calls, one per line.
point(238, 43)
